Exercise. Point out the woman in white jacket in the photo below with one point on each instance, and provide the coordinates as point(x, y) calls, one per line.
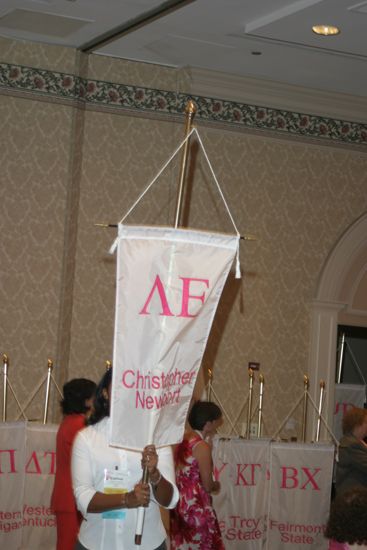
point(108, 488)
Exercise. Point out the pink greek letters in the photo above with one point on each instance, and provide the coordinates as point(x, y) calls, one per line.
point(185, 299)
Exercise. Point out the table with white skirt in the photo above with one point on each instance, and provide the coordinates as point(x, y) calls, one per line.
point(274, 495)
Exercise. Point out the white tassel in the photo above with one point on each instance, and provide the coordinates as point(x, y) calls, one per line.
point(238, 266)
point(112, 250)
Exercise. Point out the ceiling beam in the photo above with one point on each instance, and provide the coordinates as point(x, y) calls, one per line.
point(134, 24)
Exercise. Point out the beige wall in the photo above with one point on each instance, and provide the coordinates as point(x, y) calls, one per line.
point(66, 167)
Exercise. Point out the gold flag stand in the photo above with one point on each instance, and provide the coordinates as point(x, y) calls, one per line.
point(305, 397)
point(210, 392)
point(47, 379)
point(7, 385)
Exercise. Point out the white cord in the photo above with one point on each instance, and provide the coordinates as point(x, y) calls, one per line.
point(157, 176)
point(194, 130)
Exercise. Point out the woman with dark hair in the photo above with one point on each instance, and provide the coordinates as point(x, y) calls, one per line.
point(194, 524)
point(351, 469)
point(76, 403)
point(347, 525)
point(108, 487)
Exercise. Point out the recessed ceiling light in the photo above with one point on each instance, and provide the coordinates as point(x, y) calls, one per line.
point(325, 30)
point(256, 53)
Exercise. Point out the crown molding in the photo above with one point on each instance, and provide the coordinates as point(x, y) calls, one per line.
point(277, 95)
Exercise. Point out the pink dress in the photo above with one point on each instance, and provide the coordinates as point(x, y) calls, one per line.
point(194, 524)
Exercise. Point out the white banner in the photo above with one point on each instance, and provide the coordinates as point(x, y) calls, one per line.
point(12, 474)
point(241, 467)
point(300, 489)
point(298, 503)
point(39, 523)
point(169, 282)
point(346, 396)
point(27, 470)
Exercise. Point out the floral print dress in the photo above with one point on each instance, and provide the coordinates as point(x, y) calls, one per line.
point(194, 524)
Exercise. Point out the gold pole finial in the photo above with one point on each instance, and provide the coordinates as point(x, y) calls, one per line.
point(108, 365)
point(210, 373)
point(251, 372)
point(261, 378)
point(306, 380)
point(322, 384)
point(190, 108)
point(5, 358)
point(50, 364)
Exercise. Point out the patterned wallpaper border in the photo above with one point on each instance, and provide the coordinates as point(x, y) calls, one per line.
point(62, 86)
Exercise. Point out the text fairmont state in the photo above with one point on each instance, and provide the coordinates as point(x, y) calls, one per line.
point(297, 533)
point(154, 391)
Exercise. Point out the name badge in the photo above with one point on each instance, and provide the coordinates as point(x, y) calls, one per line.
point(115, 482)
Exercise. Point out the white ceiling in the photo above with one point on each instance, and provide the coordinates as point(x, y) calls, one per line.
point(219, 35)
